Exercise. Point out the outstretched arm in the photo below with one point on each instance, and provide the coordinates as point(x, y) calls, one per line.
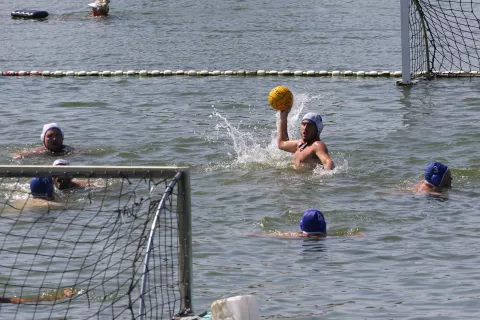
point(283, 141)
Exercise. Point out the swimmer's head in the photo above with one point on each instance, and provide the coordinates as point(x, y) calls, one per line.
point(52, 137)
point(100, 7)
point(61, 162)
point(313, 222)
point(42, 188)
point(62, 182)
point(316, 119)
point(437, 174)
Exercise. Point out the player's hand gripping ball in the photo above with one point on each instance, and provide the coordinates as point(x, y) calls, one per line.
point(281, 98)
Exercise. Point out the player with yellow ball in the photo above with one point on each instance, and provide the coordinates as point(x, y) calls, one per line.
point(309, 151)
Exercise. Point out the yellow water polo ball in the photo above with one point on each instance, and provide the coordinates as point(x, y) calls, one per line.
point(280, 98)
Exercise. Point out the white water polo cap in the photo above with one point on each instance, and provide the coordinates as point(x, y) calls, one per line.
point(99, 4)
point(47, 127)
point(316, 119)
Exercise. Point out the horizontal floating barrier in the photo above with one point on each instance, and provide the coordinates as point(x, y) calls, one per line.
point(157, 73)
point(297, 73)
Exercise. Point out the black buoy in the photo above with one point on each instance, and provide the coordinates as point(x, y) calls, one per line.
point(30, 14)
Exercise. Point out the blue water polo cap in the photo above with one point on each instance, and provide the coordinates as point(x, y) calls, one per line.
point(316, 119)
point(41, 187)
point(435, 173)
point(313, 222)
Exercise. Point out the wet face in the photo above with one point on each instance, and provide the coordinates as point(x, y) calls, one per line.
point(53, 140)
point(63, 183)
point(308, 130)
point(98, 12)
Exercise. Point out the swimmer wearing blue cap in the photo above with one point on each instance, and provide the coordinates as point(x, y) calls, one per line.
point(437, 177)
point(310, 150)
point(42, 188)
point(52, 140)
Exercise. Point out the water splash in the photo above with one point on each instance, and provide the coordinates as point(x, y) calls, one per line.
point(257, 147)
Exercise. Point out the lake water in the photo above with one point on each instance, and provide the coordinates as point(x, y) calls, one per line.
point(418, 258)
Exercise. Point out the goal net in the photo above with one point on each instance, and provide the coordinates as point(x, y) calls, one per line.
point(443, 38)
point(117, 246)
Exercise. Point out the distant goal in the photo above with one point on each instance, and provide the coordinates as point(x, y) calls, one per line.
point(440, 38)
point(119, 247)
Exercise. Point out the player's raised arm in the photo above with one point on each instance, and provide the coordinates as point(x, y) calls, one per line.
point(281, 99)
point(283, 142)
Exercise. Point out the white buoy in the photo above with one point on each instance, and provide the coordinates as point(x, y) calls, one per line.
point(261, 72)
point(118, 73)
point(34, 73)
point(46, 73)
point(323, 73)
point(82, 73)
point(273, 72)
point(179, 72)
point(286, 73)
point(131, 73)
point(204, 73)
point(143, 73)
point(58, 73)
point(298, 73)
point(94, 73)
point(311, 73)
point(192, 73)
point(70, 73)
point(167, 73)
point(216, 73)
point(348, 73)
point(229, 73)
point(22, 73)
point(335, 73)
point(397, 73)
point(360, 73)
point(156, 73)
point(236, 308)
point(373, 73)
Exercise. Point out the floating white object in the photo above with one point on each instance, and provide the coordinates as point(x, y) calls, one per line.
point(167, 73)
point(235, 308)
point(335, 73)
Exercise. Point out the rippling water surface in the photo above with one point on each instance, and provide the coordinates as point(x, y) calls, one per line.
point(418, 258)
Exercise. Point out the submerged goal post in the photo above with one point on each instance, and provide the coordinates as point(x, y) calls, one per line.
point(118, 247)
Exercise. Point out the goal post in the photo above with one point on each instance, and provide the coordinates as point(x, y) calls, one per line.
point(118, 246)
point(439, 38)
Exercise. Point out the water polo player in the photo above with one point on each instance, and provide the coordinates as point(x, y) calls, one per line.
point(437, 177)
point(309, 151)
